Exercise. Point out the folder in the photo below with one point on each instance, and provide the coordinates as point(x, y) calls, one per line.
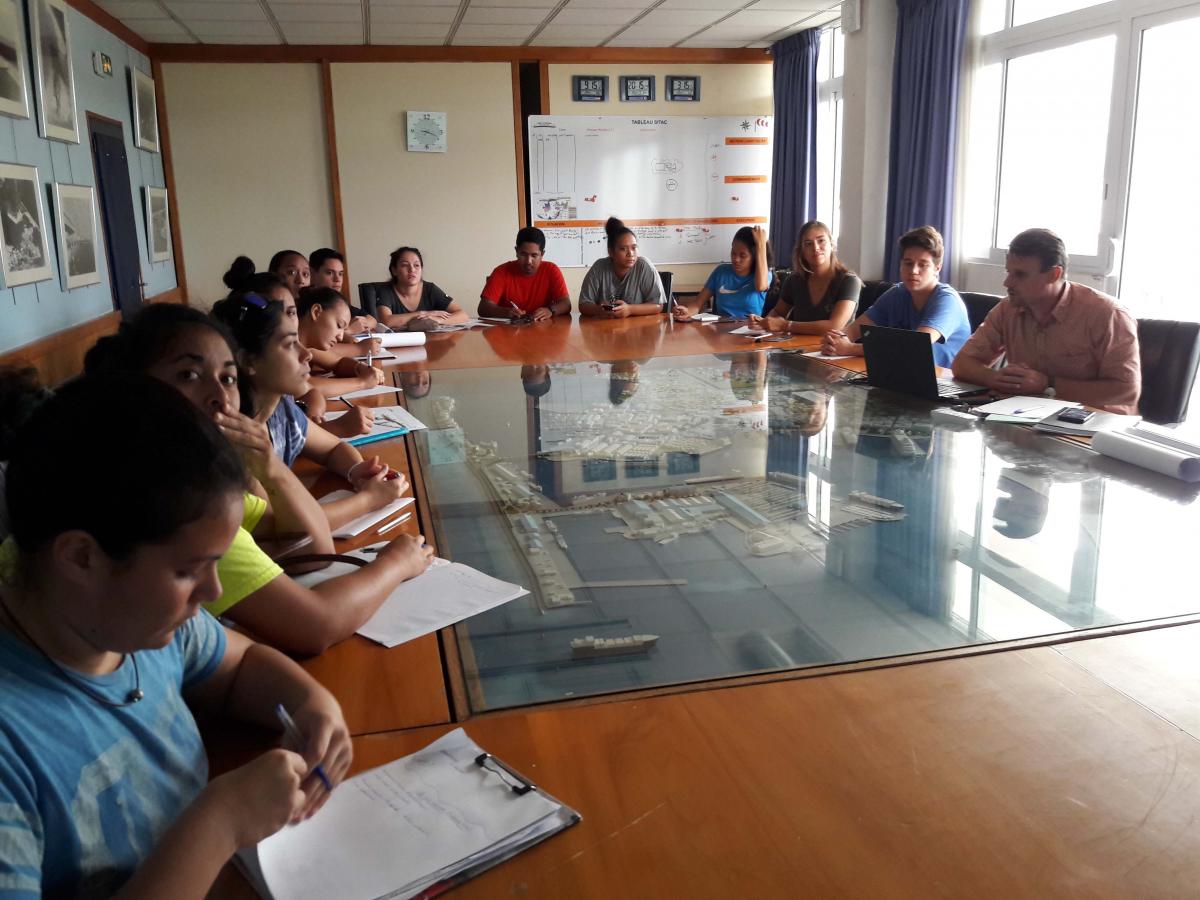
point(412, 828)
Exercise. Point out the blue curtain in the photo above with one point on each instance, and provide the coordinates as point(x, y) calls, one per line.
point(794, 165)
point(925, 84)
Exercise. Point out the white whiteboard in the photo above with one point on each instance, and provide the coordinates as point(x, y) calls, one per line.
point(684, 184)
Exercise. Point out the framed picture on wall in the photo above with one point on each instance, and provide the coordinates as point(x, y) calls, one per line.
point(24, 256)
point(158, 225)
point(145, 111)
point(51, 36)
point(14, 97)
point(78, 234)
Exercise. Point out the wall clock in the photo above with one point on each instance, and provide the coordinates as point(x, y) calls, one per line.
point(683, 87)
point(426, 131)
point(637, 87)
point(589, 88)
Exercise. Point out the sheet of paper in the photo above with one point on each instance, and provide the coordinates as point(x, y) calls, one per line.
point(750, 331)
point(387, 829)
point(1025, 407)
point(386, 419)
point(374, 357)
point(371, 392)
point(440, 597)
point(705, 317)
point(817, 354)
point(463, 326)
point(368, 520)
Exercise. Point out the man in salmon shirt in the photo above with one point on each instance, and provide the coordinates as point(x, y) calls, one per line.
point(527, 287)
point(1057, 337)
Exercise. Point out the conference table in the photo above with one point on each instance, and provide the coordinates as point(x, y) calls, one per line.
point(889, 657)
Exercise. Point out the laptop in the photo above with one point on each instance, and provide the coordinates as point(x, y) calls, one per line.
point(902, 360)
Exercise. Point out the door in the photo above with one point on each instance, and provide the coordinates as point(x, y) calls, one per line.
point(117, 214)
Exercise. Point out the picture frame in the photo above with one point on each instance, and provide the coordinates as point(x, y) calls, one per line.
point(24, 255)
point(158, 224)
point(78, 230)
point(14, 92)
point(50, 31)
point(145, 110)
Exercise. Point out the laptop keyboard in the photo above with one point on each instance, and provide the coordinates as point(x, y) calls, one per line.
point(948, 388)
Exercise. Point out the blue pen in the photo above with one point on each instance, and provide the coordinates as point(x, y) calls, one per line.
point(297, 739)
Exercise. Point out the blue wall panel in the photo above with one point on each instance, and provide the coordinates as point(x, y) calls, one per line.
point(33, 311)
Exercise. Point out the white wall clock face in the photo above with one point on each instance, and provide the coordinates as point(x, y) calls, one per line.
point(426, 132)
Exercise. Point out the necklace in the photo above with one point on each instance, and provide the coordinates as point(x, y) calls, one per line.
point(134, 695)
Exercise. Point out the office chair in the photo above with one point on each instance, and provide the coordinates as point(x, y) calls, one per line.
point(978, 307)
point(1170, 354)
point(667, 279)
point(871, 291)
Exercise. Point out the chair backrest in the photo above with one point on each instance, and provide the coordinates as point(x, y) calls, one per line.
point(978, 306)
point(1170, 354)
point(871, 291)
point(368, 295)
point(780, 275)
point(668, 279)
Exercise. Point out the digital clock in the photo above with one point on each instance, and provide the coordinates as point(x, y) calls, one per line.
point(589, 88)
point(683, 87)
point(637, 88)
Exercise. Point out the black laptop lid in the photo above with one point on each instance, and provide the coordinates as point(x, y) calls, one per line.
point(899, 360)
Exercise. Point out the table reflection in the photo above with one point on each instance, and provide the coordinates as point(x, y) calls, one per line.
point(752, 511)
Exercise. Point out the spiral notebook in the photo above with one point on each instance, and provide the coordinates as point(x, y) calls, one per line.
point(412, 828)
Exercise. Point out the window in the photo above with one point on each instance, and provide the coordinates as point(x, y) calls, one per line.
point(830, 65)
point(1078, 120)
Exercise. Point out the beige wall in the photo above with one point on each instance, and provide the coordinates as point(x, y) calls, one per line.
point(458, 207)
point(734, 89)
point(250, 162)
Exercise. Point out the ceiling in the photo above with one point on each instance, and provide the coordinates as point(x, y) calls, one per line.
point(511, 23)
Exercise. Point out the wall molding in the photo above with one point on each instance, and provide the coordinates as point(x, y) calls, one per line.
point(164, 148)
point(274, 53)
point(335, 172)
point(59, 356)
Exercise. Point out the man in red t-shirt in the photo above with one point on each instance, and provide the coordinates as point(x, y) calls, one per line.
point(527, 286)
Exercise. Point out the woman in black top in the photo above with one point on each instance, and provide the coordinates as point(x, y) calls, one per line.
point(821, 293)
point(409, 302)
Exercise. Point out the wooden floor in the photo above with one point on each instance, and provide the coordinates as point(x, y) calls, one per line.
point(1057, 771)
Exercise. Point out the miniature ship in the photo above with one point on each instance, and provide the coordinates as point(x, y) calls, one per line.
point(593, 646)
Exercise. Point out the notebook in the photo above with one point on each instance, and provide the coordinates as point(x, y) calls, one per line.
point(416, 826)
point(389, 422)
point(902, 360)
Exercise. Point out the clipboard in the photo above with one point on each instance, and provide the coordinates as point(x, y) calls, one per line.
point(415, 827)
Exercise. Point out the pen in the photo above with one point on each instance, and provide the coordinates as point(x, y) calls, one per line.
point(297, 739)
point(392, 524)
point(347, 402)
point(1028, 409)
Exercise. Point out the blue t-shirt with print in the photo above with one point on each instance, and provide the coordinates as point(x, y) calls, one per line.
point(87, 790)
point(288, 427)
point(944, 312)
point(734, 295)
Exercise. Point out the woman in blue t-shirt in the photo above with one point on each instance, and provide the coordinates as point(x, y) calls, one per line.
point(738, 288)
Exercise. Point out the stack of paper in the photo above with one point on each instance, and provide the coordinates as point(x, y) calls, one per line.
point(422, 823)
point(444, 594)
point(1023, 410)
point(1151, 448)
point(388, 422)
point(705, 317)
point(369, 520)
point(463, 326)
point(751, 331)
point(1099, 421)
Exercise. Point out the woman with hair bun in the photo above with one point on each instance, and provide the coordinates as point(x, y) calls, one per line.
point(622, 284)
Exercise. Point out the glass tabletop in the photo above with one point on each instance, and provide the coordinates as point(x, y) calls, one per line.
point(690, 518)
